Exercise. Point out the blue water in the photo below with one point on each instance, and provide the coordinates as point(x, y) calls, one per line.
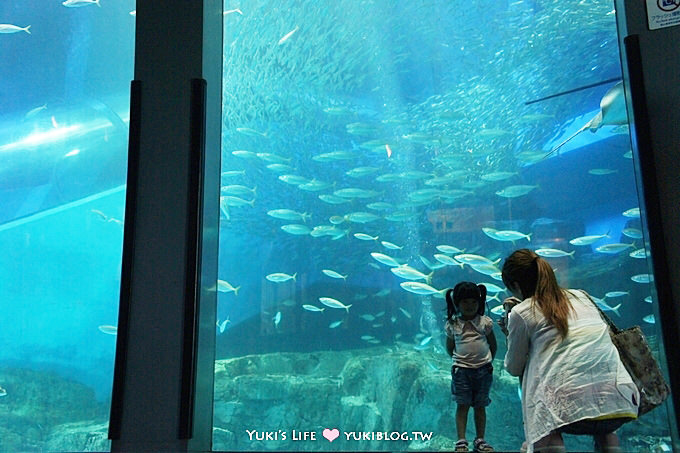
point(418, 91)
point(395, 73)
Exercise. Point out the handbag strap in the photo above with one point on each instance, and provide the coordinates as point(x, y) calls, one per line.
point(604, 317)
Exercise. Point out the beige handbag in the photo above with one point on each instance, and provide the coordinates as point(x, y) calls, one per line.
point(640, 363)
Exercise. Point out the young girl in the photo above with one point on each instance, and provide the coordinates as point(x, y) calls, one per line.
point(472, 345)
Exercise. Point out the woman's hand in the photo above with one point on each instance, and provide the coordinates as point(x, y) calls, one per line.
point(508, 304)
point(503, 323)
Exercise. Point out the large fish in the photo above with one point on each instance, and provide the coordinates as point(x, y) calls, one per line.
point(612, 113)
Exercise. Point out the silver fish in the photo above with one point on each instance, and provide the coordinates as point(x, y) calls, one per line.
point(110, 330)
point(9, 28)
point(333, 303)
point(78, 3)
point(279, 277)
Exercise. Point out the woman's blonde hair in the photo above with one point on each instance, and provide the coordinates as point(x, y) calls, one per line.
point(537, 281)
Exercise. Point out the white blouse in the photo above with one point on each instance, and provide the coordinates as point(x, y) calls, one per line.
point(472, 348)
point(566, 381)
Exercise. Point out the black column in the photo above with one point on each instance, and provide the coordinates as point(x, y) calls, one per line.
point(651, 65)
point(163, 378)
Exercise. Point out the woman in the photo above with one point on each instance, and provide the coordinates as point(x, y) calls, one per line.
point(572, 378)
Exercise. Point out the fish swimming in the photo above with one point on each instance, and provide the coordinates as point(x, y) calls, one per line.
point(297, 229)
point(515, 191)
point(222, 325)
point(506, 235)
point(633, 213)
point(279, 277)
point(642, 278)
point(9, 28)
point(613, 248)
point(420, 288)
point(611, 294)
point(110, 330)
point(333, 303)
point(385, 259)
point(587, 240)
point(334, 274)
point(391, 246)
point(612, 113)
point(471, 259)
point(553, 253)
point(447, 260)
point(248, 131)
point(408, 273)
point(449, 249)
point(632, 233)
point(225, 287)
point(288, 35)
point(237, 190)
point(288, 214)
point(78, 3)
point(235, 201)
point(639, 253)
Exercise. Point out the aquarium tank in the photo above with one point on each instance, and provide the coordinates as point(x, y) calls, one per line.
point(374, 154)
point(64, 85)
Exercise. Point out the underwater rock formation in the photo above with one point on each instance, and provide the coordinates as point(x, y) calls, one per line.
point(38, 402)
point(267, 401)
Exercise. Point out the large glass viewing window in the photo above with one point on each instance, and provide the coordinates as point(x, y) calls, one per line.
point(376, 153)
point(65, 90)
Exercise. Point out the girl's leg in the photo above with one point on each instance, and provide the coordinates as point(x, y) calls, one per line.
point(480, 421)
point(461, 420)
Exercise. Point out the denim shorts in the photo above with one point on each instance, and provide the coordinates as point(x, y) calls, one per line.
point(470, 386)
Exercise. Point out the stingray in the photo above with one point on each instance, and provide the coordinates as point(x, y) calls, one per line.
point(612, 113)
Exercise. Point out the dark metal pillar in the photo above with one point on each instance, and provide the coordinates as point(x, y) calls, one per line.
point(163, 378)
point(651, 65)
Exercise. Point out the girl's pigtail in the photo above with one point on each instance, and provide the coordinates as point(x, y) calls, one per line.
point(482, 299)
point(450, 306)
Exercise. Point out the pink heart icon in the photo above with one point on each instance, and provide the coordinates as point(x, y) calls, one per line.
point(331, 434)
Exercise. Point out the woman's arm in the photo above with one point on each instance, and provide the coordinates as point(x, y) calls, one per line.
point(518, 344)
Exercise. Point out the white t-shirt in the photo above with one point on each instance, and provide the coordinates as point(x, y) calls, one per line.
point(570, 380)
point(472, 348)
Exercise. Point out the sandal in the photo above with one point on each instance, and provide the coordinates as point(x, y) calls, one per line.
point(461, 445)
point(482, 446)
